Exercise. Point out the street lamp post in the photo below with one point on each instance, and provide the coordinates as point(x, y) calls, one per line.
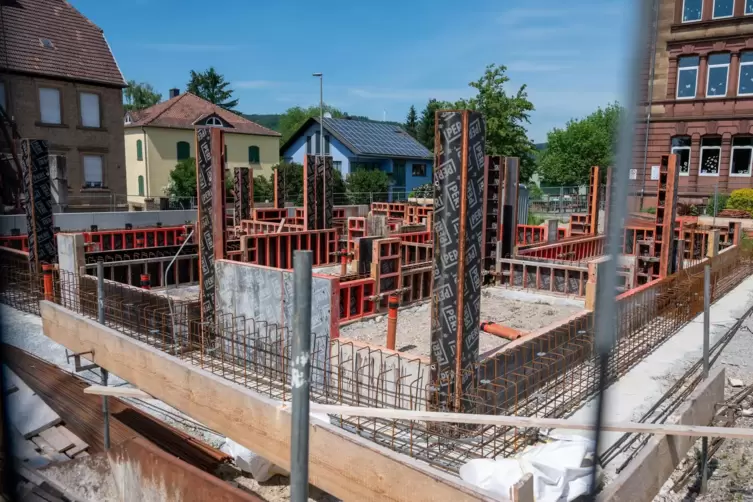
point(321, 112)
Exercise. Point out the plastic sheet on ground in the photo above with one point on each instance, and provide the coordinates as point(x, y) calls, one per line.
point(247, 461)
point(561, 470)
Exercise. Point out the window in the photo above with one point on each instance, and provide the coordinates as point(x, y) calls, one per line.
point(337, 165)
point(49, 105)
point(89, 109)
point(748, 7)
point(93, 171)
point(681, 148)
point(139, 150)
point(742, 156)
point(326, 144)
point(214, 121)
point(184, 150)
point(318, 147)
point(691, 10)
point(745, 85)
point(253, 155)
point(3, 103)
point(723, 8)
point(419, 170)
point(687, 77)
point(141, 186)
point(711, 154)
point(718, 75)
point(308, 145)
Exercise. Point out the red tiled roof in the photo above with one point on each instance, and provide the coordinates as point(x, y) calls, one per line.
point(79, 50)
point(182, 111)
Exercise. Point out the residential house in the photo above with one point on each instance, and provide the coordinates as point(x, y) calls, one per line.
point(364, 144)
point(698, 98)
point(157, 138)
point(60, 82)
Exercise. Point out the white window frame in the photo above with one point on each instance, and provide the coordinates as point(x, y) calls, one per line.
point(700, 160)
point(81, 109)
point(60, 105)
point(687, 68)
point(713, 10)
point(676, 149)
point(740, 75)
point(215, 122)
point(732, 158)
point(83, 170)
point(700, 18)
point(745, 8)
point(708, 80)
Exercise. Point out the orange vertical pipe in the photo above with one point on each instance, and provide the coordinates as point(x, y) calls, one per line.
point(392, 304)
point(47, 270)
point(145, 281)
point(344, 264)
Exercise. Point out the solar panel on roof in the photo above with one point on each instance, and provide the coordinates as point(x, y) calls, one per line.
point(377, 138)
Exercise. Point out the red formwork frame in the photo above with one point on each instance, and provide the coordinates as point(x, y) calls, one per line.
point(394, 210)
point(577, 250)
point(356, 230)
point(632, 235)
point(419, 237)
point(385, 267)
point(338, 212)
point(19, 242)
point(412, 253)
point(417, 282)
point(416, 214)
point(115, 240)
point(353, 299)
point(270, 214)
point(250, 227)
point(276, 250)
point(530, 234)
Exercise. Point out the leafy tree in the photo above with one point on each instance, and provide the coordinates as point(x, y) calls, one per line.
point(367, 185)
point(138, 96)
point(583, 143)
point(291, 176)
point(212, 86)
point(411, 122)
point(425, 131)
point(182, 183)
point(294, 117)
point(263, 189)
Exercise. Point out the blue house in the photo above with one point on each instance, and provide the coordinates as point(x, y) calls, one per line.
point(361, 144)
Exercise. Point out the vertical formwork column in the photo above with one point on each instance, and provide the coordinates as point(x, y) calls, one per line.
point(510, 206)
point(242, 191)
point(666, 213)
point(38, 202)
point(593, 201)
point(457, 229)
point(328, 199)
point(607, 198)
point(309, 192)
point(492, 225)
point(210, 188)
point(319, 188)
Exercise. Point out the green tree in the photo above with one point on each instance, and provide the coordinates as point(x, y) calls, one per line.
point(583, 143)
point(212, 86)
point(411, 122)
point(138, 96)
point(367, 185)
point(294, 117)
point(291, 182)
point(263, 189)
point(506, 116)
point(182, 183)
point(425, 131)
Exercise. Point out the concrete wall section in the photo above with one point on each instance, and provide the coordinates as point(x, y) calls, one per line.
point(104, 220)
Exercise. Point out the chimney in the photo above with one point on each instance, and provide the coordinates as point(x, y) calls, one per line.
point(174, 92)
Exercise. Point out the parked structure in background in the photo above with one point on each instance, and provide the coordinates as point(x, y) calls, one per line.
point(362, 144)
point(159, 137)
point(699, 99)
point(75, 103)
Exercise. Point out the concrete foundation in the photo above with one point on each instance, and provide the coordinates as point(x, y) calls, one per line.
point(104, 221)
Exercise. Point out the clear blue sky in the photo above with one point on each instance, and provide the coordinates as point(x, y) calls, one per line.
point(376, 56)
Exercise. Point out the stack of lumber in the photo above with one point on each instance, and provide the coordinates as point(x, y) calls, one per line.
point(734, 213)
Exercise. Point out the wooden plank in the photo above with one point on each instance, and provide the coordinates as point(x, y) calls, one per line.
point(78, 444)
point(361, 469)
point(101, 390)
point(531, 422)
point(28, 412)
point(48, 450)
point(646, 473)
point(522, 491)
point(59, 441)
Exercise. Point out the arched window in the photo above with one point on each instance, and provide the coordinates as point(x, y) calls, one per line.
point(213, 121)
point(141, 185)
point(253, 155)
point(139, 150)
point(184, 150)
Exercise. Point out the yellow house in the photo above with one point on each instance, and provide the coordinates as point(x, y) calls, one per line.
point(156, 138)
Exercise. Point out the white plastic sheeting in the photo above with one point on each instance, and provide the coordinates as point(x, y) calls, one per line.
point(561, 470)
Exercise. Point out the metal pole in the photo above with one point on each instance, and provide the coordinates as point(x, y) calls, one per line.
point(101, 319)
point(321, 114)
point(705, 374)
point(716, 199)
point(301, 376)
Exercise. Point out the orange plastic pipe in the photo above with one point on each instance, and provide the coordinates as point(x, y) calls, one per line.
point(501, 331)
point(344, 264)
point(47, 270)
point(392, 304)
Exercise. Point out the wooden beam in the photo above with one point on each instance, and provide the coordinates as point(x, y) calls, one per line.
point(101, 390)
point(529, 422)
point(343, 464)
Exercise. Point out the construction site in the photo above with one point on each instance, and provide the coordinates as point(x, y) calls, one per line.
point(419, 307)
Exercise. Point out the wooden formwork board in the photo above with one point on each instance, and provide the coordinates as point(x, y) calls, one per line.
point(551, 277)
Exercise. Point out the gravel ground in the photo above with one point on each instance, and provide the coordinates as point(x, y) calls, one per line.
point(525, 312)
